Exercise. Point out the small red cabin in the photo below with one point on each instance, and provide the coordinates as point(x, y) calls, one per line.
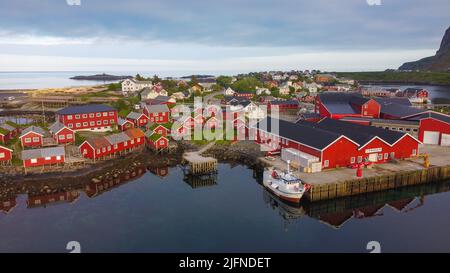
point(159, 113)
point(61, 134)
point(5, 154)
point(42, 157)
point(32, 137)
point(138, 119)
point(125, 124)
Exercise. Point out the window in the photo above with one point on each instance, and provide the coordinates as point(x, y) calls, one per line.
point(138, 140)
point(84, 115)
point(85, 151)
point(132, 141)
point(392, 155)
point(77, 116)
point(69, 117)
point(111, 114)
point(85, 124)
point(70, 125)
point(69, 136)
point(98, 151)
point(27, 140)
point(386, 156)
point(109, 148)
point(359, 159)
point(414, 152)
point(98, 115)
point(326, 164)
point(111, 121)
point(92, 123)
point(78, 125)
point(103, 149)
point(105, 114)
point(61, 137)
point(125, 144)
point(99, 122)
point(33, 161)
point(2, 155)
point(352, 160)
point(116, 146)
point(35, 139)
point(380, 157)
point(91, 115)
point(58, 157)
point(161, 142)
point(48, 158)
point(105, 122)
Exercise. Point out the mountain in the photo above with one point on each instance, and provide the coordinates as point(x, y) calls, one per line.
point(438, 62)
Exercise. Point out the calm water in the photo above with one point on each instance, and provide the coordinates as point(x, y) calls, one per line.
point(438, 94)
point(232, 213)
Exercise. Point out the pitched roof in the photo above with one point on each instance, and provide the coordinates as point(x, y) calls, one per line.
point(135, 133)
point(155, 137)
point(6, 128)
point(360, 134)
point(98, 142)
point(314, 137)
point(157, 108)
point(41, 153)
point(434, 115)
point(398, 110)
point(33, 129)
point(397, 100)
point(117, 138)
point(339, 103)
point(85, 109)
point(122, 121)
point(56, 127)
point(134, 115)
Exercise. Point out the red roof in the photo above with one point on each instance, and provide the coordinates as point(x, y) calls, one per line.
point(135, 133)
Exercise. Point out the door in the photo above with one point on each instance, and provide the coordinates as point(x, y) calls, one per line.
point(373, 157)
point(430, 137)
point(445, 141)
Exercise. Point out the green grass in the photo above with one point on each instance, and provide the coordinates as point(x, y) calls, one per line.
point(438, 78)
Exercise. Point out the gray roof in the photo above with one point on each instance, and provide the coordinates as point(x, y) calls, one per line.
point(382, 121)
point(157, 108)
point(42, 153)
point(134, 115)
point(399, 111)
point(34, 129)
point(117, 138)
point(431, 114)
point(56, 127)
point(7, 127)
point(122, 121)
point(85, 109)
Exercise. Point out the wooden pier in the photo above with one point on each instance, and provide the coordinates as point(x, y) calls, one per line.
point(198, 164)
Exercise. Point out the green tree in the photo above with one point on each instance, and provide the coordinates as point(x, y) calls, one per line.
point(247, 84)
point(139, 77)
point(224, 81)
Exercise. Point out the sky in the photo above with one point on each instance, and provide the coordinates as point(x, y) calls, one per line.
point(218, 37)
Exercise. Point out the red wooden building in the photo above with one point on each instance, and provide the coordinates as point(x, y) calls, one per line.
point(339, 105)
point(337, 143)
point(138, 119)
point(5, 155)
point(42, 157)
point(159, 113)
point(100, 147)
point(8, 131)
point(157, 142)
point(92, 117)
point(32, 137)
point(124, 124)
point(161, 129)
point(61, 134)
point(434, 128)
point(246, 95)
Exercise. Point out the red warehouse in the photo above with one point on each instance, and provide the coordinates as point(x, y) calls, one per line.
point(42, 157)
point(61, 134)
point(159, 113)
point(138, 119)
point(32, 137)
point(92, 117)
point(336, 143)
point(338, 105)
point(5, 155)
point(434, 128)
point(124, 124)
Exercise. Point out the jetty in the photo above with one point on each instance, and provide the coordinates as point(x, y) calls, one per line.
point(342, 182)
point(198, 164)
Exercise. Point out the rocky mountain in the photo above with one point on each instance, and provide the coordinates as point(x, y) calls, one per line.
point(438, 62)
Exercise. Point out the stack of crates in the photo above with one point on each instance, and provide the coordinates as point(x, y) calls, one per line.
point(302, 161)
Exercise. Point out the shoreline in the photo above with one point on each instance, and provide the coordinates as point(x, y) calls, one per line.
point(401, 83)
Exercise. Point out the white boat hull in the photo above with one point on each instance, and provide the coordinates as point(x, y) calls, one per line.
point(293, 197)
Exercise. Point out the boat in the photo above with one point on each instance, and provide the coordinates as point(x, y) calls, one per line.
point(284, 184)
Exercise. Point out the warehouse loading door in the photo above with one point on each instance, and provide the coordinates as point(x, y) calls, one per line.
point(445, 141)
point(430, 137)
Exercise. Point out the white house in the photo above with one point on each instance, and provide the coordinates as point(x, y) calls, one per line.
point(253, 111)
point(262, 91)
point(151, 93)
point(229, 92)
point(132, 85)
point(285, 90)
point(312, 87)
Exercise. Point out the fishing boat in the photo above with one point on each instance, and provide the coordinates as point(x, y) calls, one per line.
point(284, 184)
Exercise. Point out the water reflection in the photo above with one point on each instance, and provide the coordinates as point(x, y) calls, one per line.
point(201, 181)
point(47, 199)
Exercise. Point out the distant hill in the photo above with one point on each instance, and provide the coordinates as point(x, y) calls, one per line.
point(101, 77)
point(438, 62)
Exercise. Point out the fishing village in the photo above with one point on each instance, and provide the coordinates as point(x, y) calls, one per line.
point(315, 134)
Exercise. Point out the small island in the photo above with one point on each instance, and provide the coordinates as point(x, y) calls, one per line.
point(101, 77)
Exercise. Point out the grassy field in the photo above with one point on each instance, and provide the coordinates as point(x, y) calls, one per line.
point(432, 78)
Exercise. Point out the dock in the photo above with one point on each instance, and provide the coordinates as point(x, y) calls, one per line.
point(198, 164)
point(336, 183)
